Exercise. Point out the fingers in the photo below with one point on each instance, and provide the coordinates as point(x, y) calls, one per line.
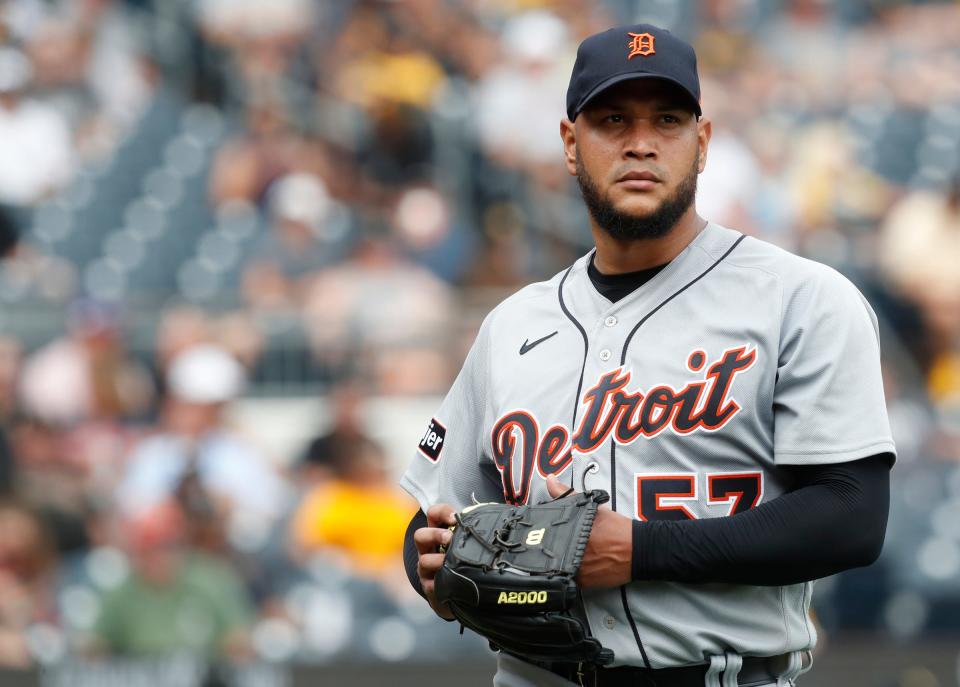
point(556, 487)
point(440, 515)
point(427, 568)
point(429, 565)
point(428, 539)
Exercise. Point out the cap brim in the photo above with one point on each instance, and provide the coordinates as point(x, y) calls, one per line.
point(630, 76)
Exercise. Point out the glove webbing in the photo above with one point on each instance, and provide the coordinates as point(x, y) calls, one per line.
point(499, 538)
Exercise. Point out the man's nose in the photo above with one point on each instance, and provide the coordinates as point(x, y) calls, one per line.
point(641, 141)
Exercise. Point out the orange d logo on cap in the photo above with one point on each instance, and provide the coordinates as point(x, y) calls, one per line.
point(640, 44)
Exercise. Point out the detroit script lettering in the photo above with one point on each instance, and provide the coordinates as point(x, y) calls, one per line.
point(704, 404)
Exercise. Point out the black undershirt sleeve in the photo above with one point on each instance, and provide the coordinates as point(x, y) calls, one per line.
point(835, 518)
point(410, 554)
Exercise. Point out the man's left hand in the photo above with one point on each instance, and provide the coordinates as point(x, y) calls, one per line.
point(607, 560)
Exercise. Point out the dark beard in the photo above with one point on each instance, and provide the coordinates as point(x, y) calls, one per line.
point(626, 227)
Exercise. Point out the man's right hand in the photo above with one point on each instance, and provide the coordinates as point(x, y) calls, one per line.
point(428, 540)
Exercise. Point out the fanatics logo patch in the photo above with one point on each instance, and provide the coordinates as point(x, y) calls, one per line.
point(432, 442)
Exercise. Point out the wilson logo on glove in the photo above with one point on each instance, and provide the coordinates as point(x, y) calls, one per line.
point(535, 537)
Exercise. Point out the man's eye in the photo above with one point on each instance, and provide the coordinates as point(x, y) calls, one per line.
point(669, 119)
point(614, 118)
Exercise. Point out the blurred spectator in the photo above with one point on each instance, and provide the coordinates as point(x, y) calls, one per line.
point(389, 74)
point(520, 102)
point(35, 276)
point(392, 314)
point(175, 599)
point(423, 221)
point(11, 352)
point(771, 207)
point(87, 375)
point(360, 513)
point(247, 26)
point(920, 254)
point(9, 232)
point(269, 148)
point(179, 329)
point(726, 186)
point(501, 261)
point(116, 72)
point(240, 335)
point(89, 64)
point(394, 83)
point(305, 235)
point(38, 152)
point(26, 574)
point(461, 40)
point(53, 480)
point(325, 454)
point(399, 149)
point(11, 357)
point(183, 327)
point(196, 456)
point(806, 37)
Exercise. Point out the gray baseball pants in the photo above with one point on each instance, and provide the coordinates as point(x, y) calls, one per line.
point(512, 672)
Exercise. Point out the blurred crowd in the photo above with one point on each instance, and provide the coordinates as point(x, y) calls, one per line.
point(357, 183)
point(136, 520)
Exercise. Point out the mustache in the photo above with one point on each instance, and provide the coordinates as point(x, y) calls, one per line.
point(622, 171)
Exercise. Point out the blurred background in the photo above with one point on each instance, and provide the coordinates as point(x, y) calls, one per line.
point(248, 242)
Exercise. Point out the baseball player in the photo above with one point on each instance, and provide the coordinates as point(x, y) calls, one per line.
point(725, 392)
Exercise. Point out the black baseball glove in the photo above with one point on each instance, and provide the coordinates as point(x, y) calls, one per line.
point(508, 575)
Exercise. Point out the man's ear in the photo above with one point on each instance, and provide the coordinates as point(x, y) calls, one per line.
point(704, 132)
point(568, 132)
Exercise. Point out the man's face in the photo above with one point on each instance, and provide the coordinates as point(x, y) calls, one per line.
point(636, 152)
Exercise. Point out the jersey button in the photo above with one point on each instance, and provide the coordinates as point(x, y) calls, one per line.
point(605, 355)
point(611, 321)
point(610, 622)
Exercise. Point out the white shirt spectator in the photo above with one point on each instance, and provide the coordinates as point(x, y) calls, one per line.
point(727, 185)
point(37, 153)
point(519, 104)
point(227, 466)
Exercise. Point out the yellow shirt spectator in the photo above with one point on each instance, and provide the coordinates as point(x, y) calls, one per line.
point(367, 522)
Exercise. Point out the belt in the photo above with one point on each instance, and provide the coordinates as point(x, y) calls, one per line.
point(754, 672)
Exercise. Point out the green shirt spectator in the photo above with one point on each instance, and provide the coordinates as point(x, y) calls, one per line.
point(175, 600)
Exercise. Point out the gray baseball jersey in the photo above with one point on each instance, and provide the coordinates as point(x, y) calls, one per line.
point(737, 358)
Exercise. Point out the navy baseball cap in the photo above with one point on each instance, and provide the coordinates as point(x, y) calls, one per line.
point(637, 51)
